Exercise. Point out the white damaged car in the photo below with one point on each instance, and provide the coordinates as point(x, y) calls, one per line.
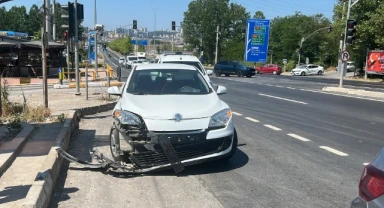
point(168, 116)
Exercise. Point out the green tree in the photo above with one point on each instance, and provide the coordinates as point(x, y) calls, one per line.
point(122, 45)
point(4, 23)
point(17, 18)
point(35, 20)
point(259, 15)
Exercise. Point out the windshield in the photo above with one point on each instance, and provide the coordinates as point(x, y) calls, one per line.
point(132, 58)
point(190, 63)
point(167, 81)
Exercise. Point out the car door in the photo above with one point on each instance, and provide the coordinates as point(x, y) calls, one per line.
point(220, 66)
point(232, 67)
point(263, 69)
point(314, 69)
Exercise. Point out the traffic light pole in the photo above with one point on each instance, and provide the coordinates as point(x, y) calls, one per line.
point(344, 44)
point(76, 39)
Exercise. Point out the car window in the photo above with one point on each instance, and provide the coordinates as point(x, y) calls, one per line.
point(190, 63)
point(132, 58)
point(168, 81)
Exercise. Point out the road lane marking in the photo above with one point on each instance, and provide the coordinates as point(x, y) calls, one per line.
point(237, 114)
point(252, 119)
point(280, 98)
point(365, 164)
point(269, 85)
point(279, 86)
point(299, 137)
point(291, 88)
point(111, 61)
point(272, 127)
point(334, 151)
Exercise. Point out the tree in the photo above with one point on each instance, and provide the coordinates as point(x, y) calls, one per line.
point(259, 15)
point(35, 20)
point(122, 45)
point(17, 18)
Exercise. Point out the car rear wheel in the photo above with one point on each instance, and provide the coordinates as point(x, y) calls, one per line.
point(257, 72)
point(217, 73)
point(302, 74)
point(240, 73)
point(320, 72)
point(227, 75)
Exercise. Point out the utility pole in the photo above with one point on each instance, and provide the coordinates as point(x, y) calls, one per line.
point(271, 56)
point(48, 22)
point(96, 50)
point(76, 39)
point(344, 44)
point(300, 50)
point(44, 40)
point(217, 42)
point(54, 20)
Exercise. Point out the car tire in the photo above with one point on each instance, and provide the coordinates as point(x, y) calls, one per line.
point(233, 150)
point(114, 144)
point(320, 72)
point(257, 72)
point(217, 73)
point(302, 74)
point(249, 76)
point(274, 72)
point(240, 73)
point(227, 75)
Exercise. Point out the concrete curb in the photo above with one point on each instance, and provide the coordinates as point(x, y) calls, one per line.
point(358, 92)
point(11, 149)
point(42, 188)
point(82, 85)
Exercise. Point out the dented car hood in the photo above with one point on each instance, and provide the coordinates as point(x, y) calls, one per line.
point(164, 107)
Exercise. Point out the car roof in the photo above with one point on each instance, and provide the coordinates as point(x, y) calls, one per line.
point(164, 66)
point(179, 58)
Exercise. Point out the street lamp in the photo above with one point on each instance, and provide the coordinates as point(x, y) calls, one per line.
point(154, 31)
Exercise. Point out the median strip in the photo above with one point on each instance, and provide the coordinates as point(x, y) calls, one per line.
point(299, 137)
point(280, 98)
point(272, 127)
point(334, 151)
point(252, 119)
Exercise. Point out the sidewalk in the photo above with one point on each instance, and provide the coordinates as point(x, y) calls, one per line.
point(18, 180)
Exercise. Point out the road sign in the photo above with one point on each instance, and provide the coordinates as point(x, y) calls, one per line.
point(345, 56)
point(256, 42)
point(139, 42)
point(284, 61)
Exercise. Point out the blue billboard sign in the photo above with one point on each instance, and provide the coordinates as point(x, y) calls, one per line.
point(139, 42)
point(256, 41)
point(91, 46)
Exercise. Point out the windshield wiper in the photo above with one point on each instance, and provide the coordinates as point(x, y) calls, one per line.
point(140, 93)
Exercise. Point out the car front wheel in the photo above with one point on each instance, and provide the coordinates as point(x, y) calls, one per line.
point(302, 74)
point(240, 74)
point(217, 73)
point(320, 72)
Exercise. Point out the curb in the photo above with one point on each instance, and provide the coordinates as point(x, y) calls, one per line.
point(11, 149)
point(358, 92)
point(43, 187)
point(82, 85)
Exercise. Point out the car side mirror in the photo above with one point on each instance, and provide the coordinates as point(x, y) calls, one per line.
point(221, 90)
point(210, 72)
point(114, 91)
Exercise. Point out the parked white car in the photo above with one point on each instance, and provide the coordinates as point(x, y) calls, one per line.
point(160, 120)
point(309, 69)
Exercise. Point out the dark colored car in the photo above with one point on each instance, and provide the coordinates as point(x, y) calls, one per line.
point(269, 69)
point(233, 68)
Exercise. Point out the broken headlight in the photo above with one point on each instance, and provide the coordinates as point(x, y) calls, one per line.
point(127, 118)
point(220, 119)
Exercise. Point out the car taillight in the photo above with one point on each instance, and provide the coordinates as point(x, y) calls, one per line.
point(372, 183)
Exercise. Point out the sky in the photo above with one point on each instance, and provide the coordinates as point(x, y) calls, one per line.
point(115, 13)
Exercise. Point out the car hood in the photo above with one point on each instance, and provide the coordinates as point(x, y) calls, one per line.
point(164, 107)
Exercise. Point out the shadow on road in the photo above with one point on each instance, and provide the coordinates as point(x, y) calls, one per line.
point(13, 193)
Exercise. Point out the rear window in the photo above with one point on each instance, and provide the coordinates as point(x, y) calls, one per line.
point(190, 63)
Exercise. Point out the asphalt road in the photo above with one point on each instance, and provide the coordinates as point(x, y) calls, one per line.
point(298, 148)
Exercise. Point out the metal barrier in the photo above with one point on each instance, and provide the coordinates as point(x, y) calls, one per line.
point(93, 74)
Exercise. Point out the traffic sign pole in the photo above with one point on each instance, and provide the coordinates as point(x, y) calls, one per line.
point(344, 45)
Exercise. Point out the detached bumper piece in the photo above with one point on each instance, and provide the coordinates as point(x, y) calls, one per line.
point(144, 158)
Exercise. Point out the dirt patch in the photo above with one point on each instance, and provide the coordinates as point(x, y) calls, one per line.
point(331, 69)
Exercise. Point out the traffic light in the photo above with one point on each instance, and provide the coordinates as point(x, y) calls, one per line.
point(69, 18)
point(351, 30)
point(329, 29)
point(173, 25)
point(134, 24)
point(65, 35)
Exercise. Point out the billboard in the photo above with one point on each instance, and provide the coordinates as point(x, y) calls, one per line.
point(256, 41)
point(91, 46)
point(13, 34)
point(139, 42)
point(375, 62)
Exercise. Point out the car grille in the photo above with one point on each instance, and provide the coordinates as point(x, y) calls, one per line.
point(144, 158)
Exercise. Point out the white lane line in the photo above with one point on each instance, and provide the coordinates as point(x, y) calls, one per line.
point(272, 127)
point(111, 61)
point(365, 164)
point(343, 95)
point(280, 98)
point(237, 114)
point(252, 119)
point(299, 137)
point(334, 151)
point(269, 85)
point(291, 88)
point(279, 86)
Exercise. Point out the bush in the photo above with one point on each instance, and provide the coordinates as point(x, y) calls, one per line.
point(290, 65)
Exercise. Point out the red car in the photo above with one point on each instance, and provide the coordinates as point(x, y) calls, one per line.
point(269, 69)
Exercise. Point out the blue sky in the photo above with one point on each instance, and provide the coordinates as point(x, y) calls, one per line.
point(113, 13)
